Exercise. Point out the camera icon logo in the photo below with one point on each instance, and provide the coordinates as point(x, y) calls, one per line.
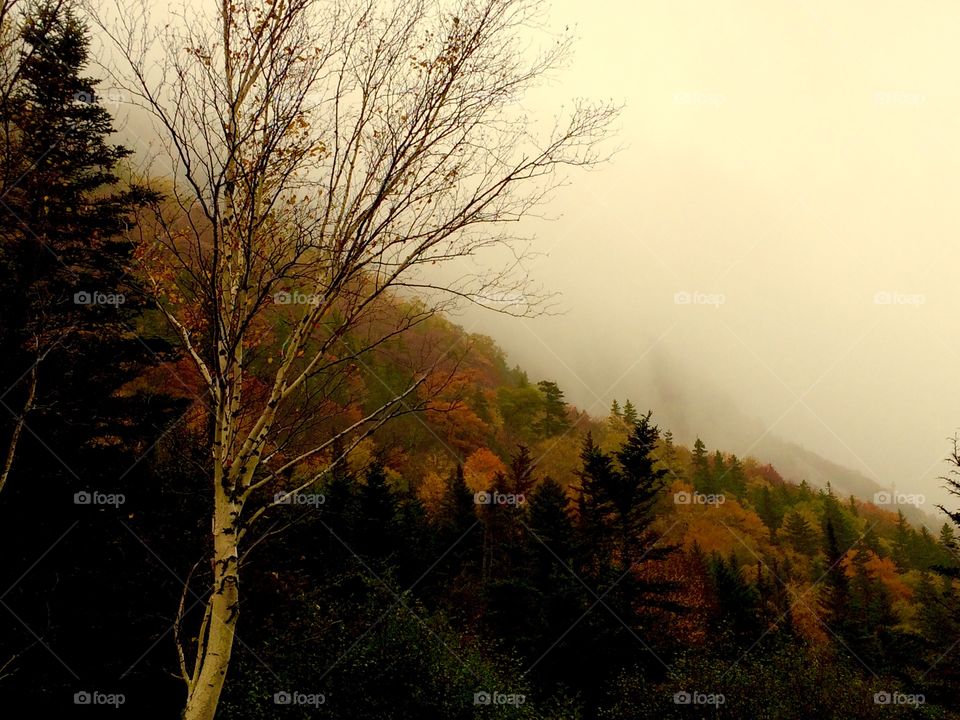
point(282, 698)
point(482, 498)
point(82, 498)
point(82, 698)
point(282, 298)
point(85, 97)
point(882, 698)
point(482, 698)
point(682, 698)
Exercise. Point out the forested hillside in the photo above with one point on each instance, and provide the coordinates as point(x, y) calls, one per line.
point(252, 469)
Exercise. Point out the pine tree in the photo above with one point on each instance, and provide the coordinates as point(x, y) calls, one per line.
point(737, 600)
point(554, 419)
point(948, 539)
point(458, 506)
point(870, 612)
point(834, 514)
point(902, 541)
point(594, 505)
point(65, 260)
point(734, 480)
point(377, 513)
point(635, 490)
point(340, 494)
point(630, 415)
point(800, 534)
point(668, 456)
point(718, 472)
point(835, 597)
point(521, 479)
point(700, 469)
point(549, 519)
point(615, 411)
point(769, 512)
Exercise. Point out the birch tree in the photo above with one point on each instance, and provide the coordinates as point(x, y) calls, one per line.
point(328, 157)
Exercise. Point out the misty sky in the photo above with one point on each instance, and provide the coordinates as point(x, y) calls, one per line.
point(797, 159)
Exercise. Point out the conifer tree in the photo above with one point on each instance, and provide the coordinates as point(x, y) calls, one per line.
point(799, 533)
point(700, 468)
point(554, 419)
point(65, 258)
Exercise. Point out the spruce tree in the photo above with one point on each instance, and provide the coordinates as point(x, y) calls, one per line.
point(835, 597)
point(65, 257)
point(634, 492)
point(700, 468)
point(594, 506)
point(554, 419)
point(799, 533)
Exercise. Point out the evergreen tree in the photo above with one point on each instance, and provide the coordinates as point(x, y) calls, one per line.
point(558, 593)
point(65, 260)
point(719, 472)
point(870, 614)
point(340, 495)
point(554, 419)
point(66, 426)
point(700, 468)
point(668, 456)
point(615, 411)
point(458, 506)
point(549, 513)
point(734, 481)
point(737, 600)
point(835, 515)
point(800, 534)
point(520, 479)
point(630, 414)
point(769, 511)
point(634, 492)
point(594, 505)
point(835, 598)
point(377, 514)
point(948, 539)
point(902, 540)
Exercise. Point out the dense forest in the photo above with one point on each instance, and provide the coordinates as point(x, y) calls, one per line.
point(459, 542)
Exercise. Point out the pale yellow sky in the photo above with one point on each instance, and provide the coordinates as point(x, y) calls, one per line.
point(799, 159)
